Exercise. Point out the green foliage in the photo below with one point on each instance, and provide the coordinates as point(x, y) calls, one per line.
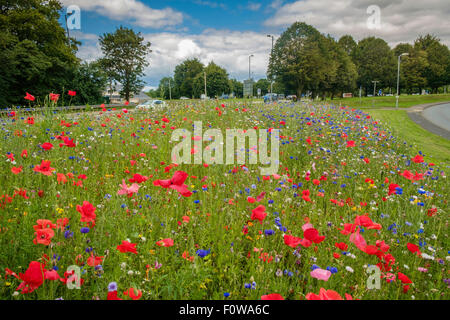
point(36, 55)
point(89, 82)
point(375, 61)
point(184, 76)
point(125, 54)
point(262, 84)
point(216, 81)
point(237, 87)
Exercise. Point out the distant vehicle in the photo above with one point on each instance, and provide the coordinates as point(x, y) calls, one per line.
point(270, 97)
point(281, 96)
point(347, 95)
point(151, 104)
point(292, 97)
point(184, 98)
point(224, 96)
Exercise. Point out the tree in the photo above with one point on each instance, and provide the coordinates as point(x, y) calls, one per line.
point(89, 82)
point(185, 74)
point(216, 81)
point(297, 60)
point(347, 43)
point(413, 69)
point(35, 54)
point(262, 84)
point(237, 87)
point(342, 71)
point(125, 52)
point(166, 88)
point(438, 58)
point(375, 60)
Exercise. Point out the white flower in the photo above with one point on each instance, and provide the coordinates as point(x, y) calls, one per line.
point(130, 272)
point(426, 256)
point(349, 269)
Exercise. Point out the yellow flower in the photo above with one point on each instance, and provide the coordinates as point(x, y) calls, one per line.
point(152, 251)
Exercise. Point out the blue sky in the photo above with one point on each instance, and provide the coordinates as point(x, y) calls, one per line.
point(227, 32)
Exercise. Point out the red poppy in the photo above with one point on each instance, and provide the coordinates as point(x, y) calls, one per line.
point(259, 213)
point(44, 168)
point(392, 188)
point(165, 242)
point(112, 295)
point(134, 294)
point(176, 183)
point(272, 296)
point(312, 234)
point(33, 277)
point(138, 178)
point(413, 248)
point(94, 261)
point(72, 93)
point(341, 245)
point(29, 97)
point(44, 236)
point(46, 146)
point(417, 159)
point(44, 224)
point(292, 241)
point(350, 143)
point(127, 247)
point(54, 97)
point(87, 211)
point(29, 120)
point(16, 170)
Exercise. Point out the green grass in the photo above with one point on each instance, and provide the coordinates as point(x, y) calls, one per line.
point(389, 102)
point(432, 145)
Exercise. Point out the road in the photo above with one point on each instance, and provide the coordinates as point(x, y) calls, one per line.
point(434, 117)
point(439, 115)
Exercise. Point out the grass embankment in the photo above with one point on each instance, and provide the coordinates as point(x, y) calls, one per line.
point(402, 126)
point(389, 102)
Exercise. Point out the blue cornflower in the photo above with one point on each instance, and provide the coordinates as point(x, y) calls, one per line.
point(203, 253)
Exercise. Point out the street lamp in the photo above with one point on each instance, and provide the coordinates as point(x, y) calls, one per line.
point(271, 53)
point(398, 78)
point(374, 91)
point(249, 74)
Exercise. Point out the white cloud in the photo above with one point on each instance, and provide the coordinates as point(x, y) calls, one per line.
point(401, 20)
point(132, 11)
point(229, 49)
point(254, 6)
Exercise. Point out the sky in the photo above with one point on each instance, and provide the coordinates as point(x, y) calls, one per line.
point(227, 32)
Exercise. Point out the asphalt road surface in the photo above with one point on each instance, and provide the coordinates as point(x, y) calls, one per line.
point(439, 115)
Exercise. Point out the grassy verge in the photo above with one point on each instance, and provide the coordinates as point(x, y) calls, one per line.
point(389, 102)
point(432, 145)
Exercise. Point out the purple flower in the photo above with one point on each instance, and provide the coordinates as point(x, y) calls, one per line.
point(84, 230)
point(112, 286)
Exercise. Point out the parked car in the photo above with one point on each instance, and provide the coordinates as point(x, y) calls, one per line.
point(184, 98)
point(292, 97)
point(151, 104)
point(270, 97)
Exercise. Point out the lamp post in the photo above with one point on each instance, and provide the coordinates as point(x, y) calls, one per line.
point(398, 78)
point(374, 90)
point(249, 72)
point(271, 53)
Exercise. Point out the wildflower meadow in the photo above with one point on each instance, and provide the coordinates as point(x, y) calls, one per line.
point(93, 207)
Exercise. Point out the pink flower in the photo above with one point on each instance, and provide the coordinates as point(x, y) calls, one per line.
point(320, 274)
point(128, 190)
